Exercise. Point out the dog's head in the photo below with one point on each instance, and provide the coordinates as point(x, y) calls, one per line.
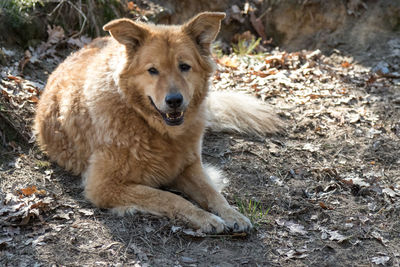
point(166, 68)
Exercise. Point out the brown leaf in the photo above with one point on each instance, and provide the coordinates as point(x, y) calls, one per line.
point(39, 205)
point(56, 34)
point(264, 74)
point(29, 190)
point(131, 6)
point(324, 206)
point(314, 96)
point(260, 73)
point(347, 182)
point(32, 90)
point(346, 64)
point(33, 99)
point(18, 80)
point(41, 192)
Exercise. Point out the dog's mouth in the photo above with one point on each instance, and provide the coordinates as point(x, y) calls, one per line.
point(174, 118)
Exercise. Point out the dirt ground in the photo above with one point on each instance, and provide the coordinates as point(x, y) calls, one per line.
point(325, 193)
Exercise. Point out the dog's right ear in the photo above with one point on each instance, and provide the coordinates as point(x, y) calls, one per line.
point(127, 32)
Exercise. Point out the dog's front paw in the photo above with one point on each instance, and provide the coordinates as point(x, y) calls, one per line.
point(234, 220)
point(207, 222)
point(212, 224)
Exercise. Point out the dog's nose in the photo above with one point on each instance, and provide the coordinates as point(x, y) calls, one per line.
point(174, 100)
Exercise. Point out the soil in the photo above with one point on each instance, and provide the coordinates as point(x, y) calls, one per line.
point(324, 193)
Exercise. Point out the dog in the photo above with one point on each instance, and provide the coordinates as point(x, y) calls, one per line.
point(128, 112)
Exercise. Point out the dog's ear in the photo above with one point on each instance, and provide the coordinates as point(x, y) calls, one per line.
point(203, 29)
point(127, 32)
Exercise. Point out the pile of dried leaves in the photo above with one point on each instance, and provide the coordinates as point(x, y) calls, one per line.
point(20, 88)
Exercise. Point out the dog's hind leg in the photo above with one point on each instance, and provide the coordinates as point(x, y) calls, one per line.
point(108, 186)
point(197, 185)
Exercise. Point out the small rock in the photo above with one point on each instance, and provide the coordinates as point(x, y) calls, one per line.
point(188, 260)
point(382, 68)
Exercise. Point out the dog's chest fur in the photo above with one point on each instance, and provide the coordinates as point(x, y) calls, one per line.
point(152, 158)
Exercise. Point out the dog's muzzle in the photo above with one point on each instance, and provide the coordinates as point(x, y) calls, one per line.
point(173, 118)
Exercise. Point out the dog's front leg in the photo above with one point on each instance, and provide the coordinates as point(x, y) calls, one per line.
point(110, 183)
point(196, 184)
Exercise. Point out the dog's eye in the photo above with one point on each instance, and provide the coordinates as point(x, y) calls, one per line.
point(184, 67)
point(153, 71)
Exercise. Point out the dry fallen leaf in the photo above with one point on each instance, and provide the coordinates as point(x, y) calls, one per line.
point(19, 210)
point(131, 6)
point(293, 253)
point(379, 237)
point(345, 64)
point(325, 207)
point(86, 212)
point(294, 228)
point(335, 236)
point(228, 62)
point(390, 192)
point(33, 99)
point(63, 215)
point(380, 260)
point(17, 79)
point(311, 147)
point(56, 34)
point(28, 191)
point(264, 74)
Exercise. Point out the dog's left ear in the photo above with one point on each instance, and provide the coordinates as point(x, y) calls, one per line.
point(127, 32)
point(203, 29)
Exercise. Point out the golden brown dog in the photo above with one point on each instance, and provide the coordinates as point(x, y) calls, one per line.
point(129, 112)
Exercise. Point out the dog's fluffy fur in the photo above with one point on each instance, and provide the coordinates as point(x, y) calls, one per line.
point(103, 114)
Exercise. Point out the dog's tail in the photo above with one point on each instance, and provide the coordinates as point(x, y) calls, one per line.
point(235, 112)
